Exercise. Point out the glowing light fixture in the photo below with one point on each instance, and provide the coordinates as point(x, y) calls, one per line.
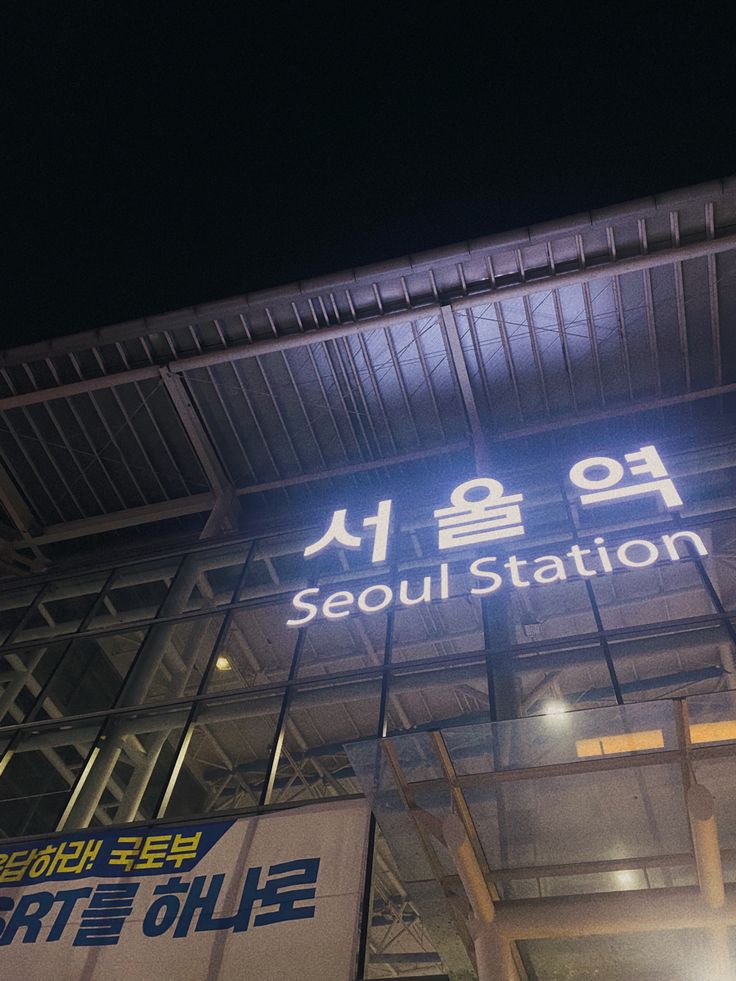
point(555, 708)
point(626, 879)
point(222, 663)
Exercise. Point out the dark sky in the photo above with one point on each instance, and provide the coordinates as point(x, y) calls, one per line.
point(166, 159)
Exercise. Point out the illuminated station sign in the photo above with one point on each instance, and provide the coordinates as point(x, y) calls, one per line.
point(481, 511)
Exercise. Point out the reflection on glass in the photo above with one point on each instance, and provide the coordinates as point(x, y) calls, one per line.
point(557, 681)
point(61, 608)
point(671, 954)
point(671, 591)
point(672, 664)
point(226, 757)
point(717, 776)
point(258, 649)
point(712, 717)
point(335, 646)
point(22, 676)
point(397, 939)
point(562, 737)
point(313, 763)
point(90, 675)
point(611, 815)
point(712, 722)
point(131, 764)
point(37, 777)
point(443, 696)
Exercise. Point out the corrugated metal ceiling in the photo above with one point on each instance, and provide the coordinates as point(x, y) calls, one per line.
point(536, 348)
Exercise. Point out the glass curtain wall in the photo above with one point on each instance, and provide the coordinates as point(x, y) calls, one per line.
point(193, 695)
point(173, 688)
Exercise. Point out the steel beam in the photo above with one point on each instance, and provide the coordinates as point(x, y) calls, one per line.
point(16, 507)
point(147, 513)
point(460, 369)
point(613, 412)
point(495, 294)
point(209, 461)
point(101, 382)
point(224, 514)
point(24, 524)
point(611, 914)
point(199, 503)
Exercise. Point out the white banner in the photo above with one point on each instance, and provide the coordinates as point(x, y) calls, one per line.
point(270, 898)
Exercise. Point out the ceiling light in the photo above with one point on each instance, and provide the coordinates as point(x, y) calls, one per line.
point(626, 879)
point(555, 708)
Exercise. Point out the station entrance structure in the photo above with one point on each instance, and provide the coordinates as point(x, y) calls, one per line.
point(552, 753)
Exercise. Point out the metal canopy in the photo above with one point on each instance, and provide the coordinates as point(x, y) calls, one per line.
point(285, 396)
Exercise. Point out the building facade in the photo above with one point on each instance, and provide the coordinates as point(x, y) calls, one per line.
point(448, 543)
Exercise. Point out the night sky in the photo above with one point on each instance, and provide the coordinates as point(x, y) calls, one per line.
point(170, 159)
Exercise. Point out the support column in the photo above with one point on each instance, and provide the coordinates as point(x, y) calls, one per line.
point(702, 814)
point(145, 667)
point(499, 635)
point(492, 952)
point(129, 805)
point(701, 809)
point(494, 961)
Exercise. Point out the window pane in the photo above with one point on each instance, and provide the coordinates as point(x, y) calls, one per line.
point(219, 571)
point(720, 541)
point(569, 737)
point(172, 660)
point(22, 675)
point(313, 763)
point(38, 775)
point(555, 681)
point(171, 586)
point(258, 649)
point(91, 674)
point(451, 626)
point(227, 756)
point(130, 769)
point(438, 697)
point(712, 718)
point(617, 815)
point(545, 612)
point(398, 941)
point(672, 664)
point(13, 605)
point(334, 646)
point(62, 607)
point(275, 562)
point(136, 592)
point(659, 593)
point(677, 955)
